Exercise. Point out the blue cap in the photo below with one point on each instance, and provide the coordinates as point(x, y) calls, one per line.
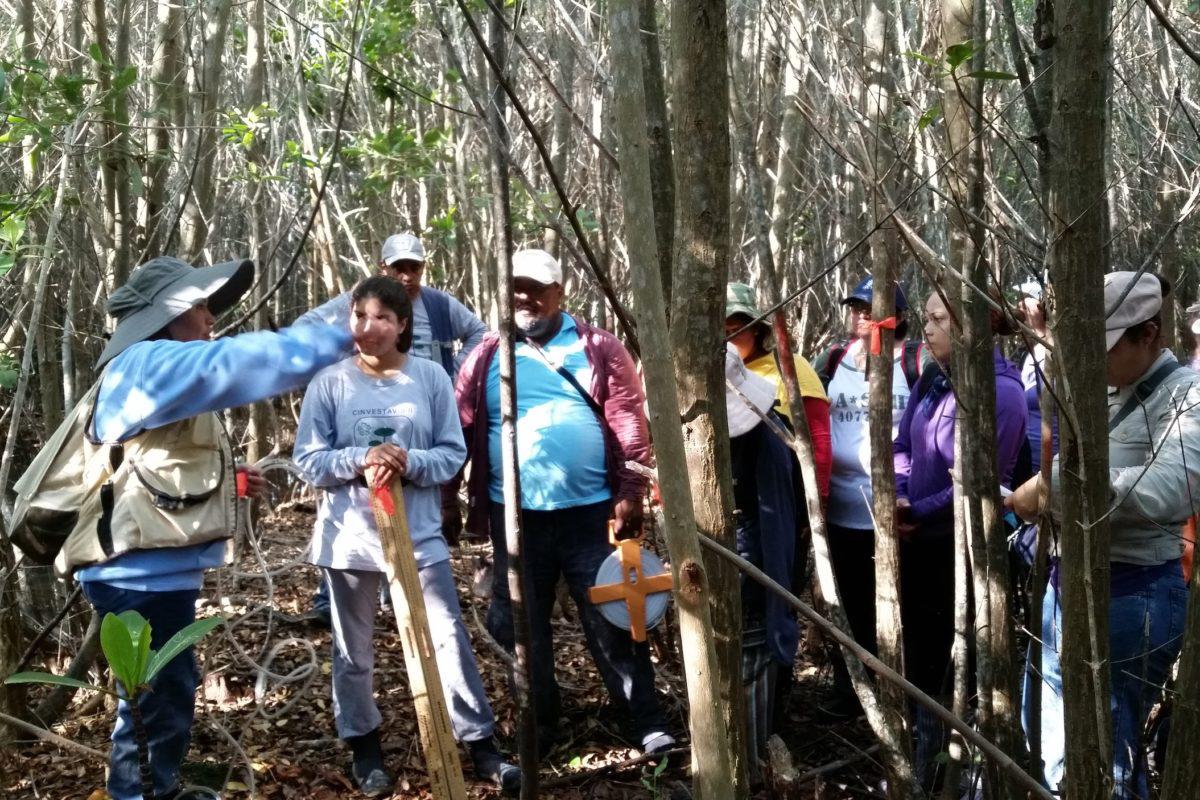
point(863, 293)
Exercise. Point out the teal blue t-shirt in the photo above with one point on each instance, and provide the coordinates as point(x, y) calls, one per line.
point(560, 447)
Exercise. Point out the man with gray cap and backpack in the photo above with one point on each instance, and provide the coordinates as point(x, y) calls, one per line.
point(135, 495)
point(440, 321)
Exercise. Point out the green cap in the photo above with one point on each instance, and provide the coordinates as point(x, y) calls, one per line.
point(739, 299)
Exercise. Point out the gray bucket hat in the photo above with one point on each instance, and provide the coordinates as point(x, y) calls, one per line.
point(164, 288)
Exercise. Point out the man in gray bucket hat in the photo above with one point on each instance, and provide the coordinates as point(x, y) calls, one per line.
point(168, 500)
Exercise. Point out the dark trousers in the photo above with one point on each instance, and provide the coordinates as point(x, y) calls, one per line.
point(852, 552)
point(571, 542)
point(927, 610)
point(169, 706)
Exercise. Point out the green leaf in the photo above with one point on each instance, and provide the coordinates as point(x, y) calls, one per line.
point(662, 767)
point(11, 231)
point(98, 55)
point(180, 642)
point(921, 57)
point(119, 650)
point(991, 74)
point(125, 78)
point(575, 763)
point(55, 680)
point(956, 54)
point(928, 117)
point(139, 635)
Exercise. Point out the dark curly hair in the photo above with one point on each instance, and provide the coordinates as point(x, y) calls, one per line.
point(394, 297)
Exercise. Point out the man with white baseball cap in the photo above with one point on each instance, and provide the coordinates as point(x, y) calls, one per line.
point(579, 422)
point(1153, 476)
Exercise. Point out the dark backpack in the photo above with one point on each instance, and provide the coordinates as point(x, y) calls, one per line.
point(910, 362)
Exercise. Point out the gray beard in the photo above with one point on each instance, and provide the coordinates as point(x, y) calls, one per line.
point(532, 327)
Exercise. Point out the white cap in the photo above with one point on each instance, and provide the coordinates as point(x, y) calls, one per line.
point(1143, 302)
point(401, 247)
point(537, 265)
point(758, 390)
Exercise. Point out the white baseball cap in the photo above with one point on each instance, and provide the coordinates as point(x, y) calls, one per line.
point(1143, 301)
point(537, 265)
point(401, 247)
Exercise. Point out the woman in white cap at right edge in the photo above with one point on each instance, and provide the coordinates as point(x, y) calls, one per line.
point(1154, 480)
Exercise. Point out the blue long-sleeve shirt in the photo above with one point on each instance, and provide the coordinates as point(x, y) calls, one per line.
point(156, 383)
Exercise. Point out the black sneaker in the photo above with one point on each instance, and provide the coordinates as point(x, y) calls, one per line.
point(369, 773)
point(491, 766)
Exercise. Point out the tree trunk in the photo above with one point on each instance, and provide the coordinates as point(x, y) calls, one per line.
point(880, 51)
point(975, 384)
point(114, 138)
point(711, 745)
point(1183, 768)
point(167, 96)
point(658, 129)
point(201, 205)
point(1078, 259)
point(701, 263)
point(503, 232)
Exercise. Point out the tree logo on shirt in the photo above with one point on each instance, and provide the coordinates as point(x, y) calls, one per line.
point(375, 431)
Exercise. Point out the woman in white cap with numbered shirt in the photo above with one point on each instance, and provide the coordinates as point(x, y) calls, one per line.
point(1154, 487)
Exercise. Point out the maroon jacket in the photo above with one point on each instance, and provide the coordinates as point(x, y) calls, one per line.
point(615, 387)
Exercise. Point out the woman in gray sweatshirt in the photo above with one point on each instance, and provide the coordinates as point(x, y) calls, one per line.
point(395, 414)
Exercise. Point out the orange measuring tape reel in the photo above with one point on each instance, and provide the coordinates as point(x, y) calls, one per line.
point(632, 587)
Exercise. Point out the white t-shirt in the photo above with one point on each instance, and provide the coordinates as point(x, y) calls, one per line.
point(850, 484)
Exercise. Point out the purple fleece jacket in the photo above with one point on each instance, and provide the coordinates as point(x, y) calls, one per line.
point(924, 447)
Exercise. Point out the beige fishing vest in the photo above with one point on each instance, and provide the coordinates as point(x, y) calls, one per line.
point(82, 502)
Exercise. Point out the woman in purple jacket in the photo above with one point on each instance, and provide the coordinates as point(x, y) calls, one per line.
point(924, 458)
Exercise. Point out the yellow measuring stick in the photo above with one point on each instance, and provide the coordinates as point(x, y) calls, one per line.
point(404, 584)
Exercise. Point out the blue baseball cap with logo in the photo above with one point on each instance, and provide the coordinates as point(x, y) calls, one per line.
point(863, 293)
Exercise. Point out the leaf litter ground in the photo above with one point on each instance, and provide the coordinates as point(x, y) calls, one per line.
point(269, 733)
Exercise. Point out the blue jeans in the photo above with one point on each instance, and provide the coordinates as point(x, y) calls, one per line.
point(571, 542)
point(1145, 633)
point(168, 708)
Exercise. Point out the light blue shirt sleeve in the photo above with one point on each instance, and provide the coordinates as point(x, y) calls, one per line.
point(322, 463)
point(155, 383)
point(466, 327)
point(448, 452)
point(331, 312)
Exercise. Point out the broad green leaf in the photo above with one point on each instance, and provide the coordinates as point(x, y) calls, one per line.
point(956, 54)
point(56, 680)
point(179, 642)
point(119, 650)
point(139, 635)
point(7, 262)
point(11, 231)
point(993, 75)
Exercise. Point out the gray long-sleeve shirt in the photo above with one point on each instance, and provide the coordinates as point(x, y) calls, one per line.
point(345, 413)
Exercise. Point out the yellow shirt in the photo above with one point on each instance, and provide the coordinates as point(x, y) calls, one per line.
point(806, 378)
